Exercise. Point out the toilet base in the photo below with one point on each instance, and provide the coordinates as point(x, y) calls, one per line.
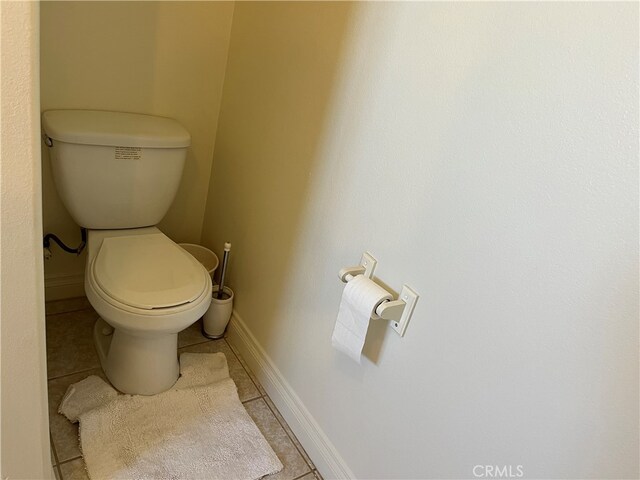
point(137, 364)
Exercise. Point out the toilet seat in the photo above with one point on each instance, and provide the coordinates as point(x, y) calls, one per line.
point(147, 272)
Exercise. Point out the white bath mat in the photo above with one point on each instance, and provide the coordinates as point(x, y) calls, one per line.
point(197, 430)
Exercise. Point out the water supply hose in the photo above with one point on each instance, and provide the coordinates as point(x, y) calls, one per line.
point(78, 250)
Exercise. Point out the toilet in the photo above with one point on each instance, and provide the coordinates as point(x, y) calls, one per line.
point(117, 174)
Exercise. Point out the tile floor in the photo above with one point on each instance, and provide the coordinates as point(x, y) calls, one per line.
point(72, 357)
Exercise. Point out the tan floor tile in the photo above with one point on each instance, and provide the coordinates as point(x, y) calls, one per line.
point(70, 349)
point(294, 464)
point(74, 470)
point(63, 432)
point(192, 335)
point(308, 476)
point(246, 367)
point(246, 388)
point(289, 432)
point(67, 305)
point(317, 474)
point(70, 343)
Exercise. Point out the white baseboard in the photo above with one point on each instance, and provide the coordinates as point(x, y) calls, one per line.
point(324, 455)
point(61, 286)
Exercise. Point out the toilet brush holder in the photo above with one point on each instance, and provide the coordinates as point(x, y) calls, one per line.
point(216, 319)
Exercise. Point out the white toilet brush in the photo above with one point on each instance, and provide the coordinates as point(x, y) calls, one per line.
point(223, 272)
point(217, 317)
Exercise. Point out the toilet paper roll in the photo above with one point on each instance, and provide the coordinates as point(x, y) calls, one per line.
point(360, 298)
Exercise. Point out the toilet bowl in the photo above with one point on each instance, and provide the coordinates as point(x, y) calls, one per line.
point(146, 289)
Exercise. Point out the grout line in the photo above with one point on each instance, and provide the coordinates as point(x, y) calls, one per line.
point(55, 456)
point(74, 373)
point(251, 399)
point(287, 429)
point(193, 344)
point(246, 368)
point(53, 449)
point(243, 367)
point(299, 477)
point(69, 311)
point(69, 460)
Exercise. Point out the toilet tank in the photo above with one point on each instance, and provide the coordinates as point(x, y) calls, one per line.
point(115, 170)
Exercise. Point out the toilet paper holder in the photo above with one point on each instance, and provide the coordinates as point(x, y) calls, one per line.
point(367, 266)
point(397, 311)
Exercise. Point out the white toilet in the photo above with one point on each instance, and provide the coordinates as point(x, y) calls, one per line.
point(117, 174)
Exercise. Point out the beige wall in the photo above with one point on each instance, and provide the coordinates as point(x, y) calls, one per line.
point(24, 417)
point(162, 58)
point(486, 154)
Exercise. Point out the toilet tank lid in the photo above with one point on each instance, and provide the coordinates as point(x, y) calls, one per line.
point(94, 127)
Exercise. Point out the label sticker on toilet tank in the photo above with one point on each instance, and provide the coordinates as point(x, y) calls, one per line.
point(128, 153)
